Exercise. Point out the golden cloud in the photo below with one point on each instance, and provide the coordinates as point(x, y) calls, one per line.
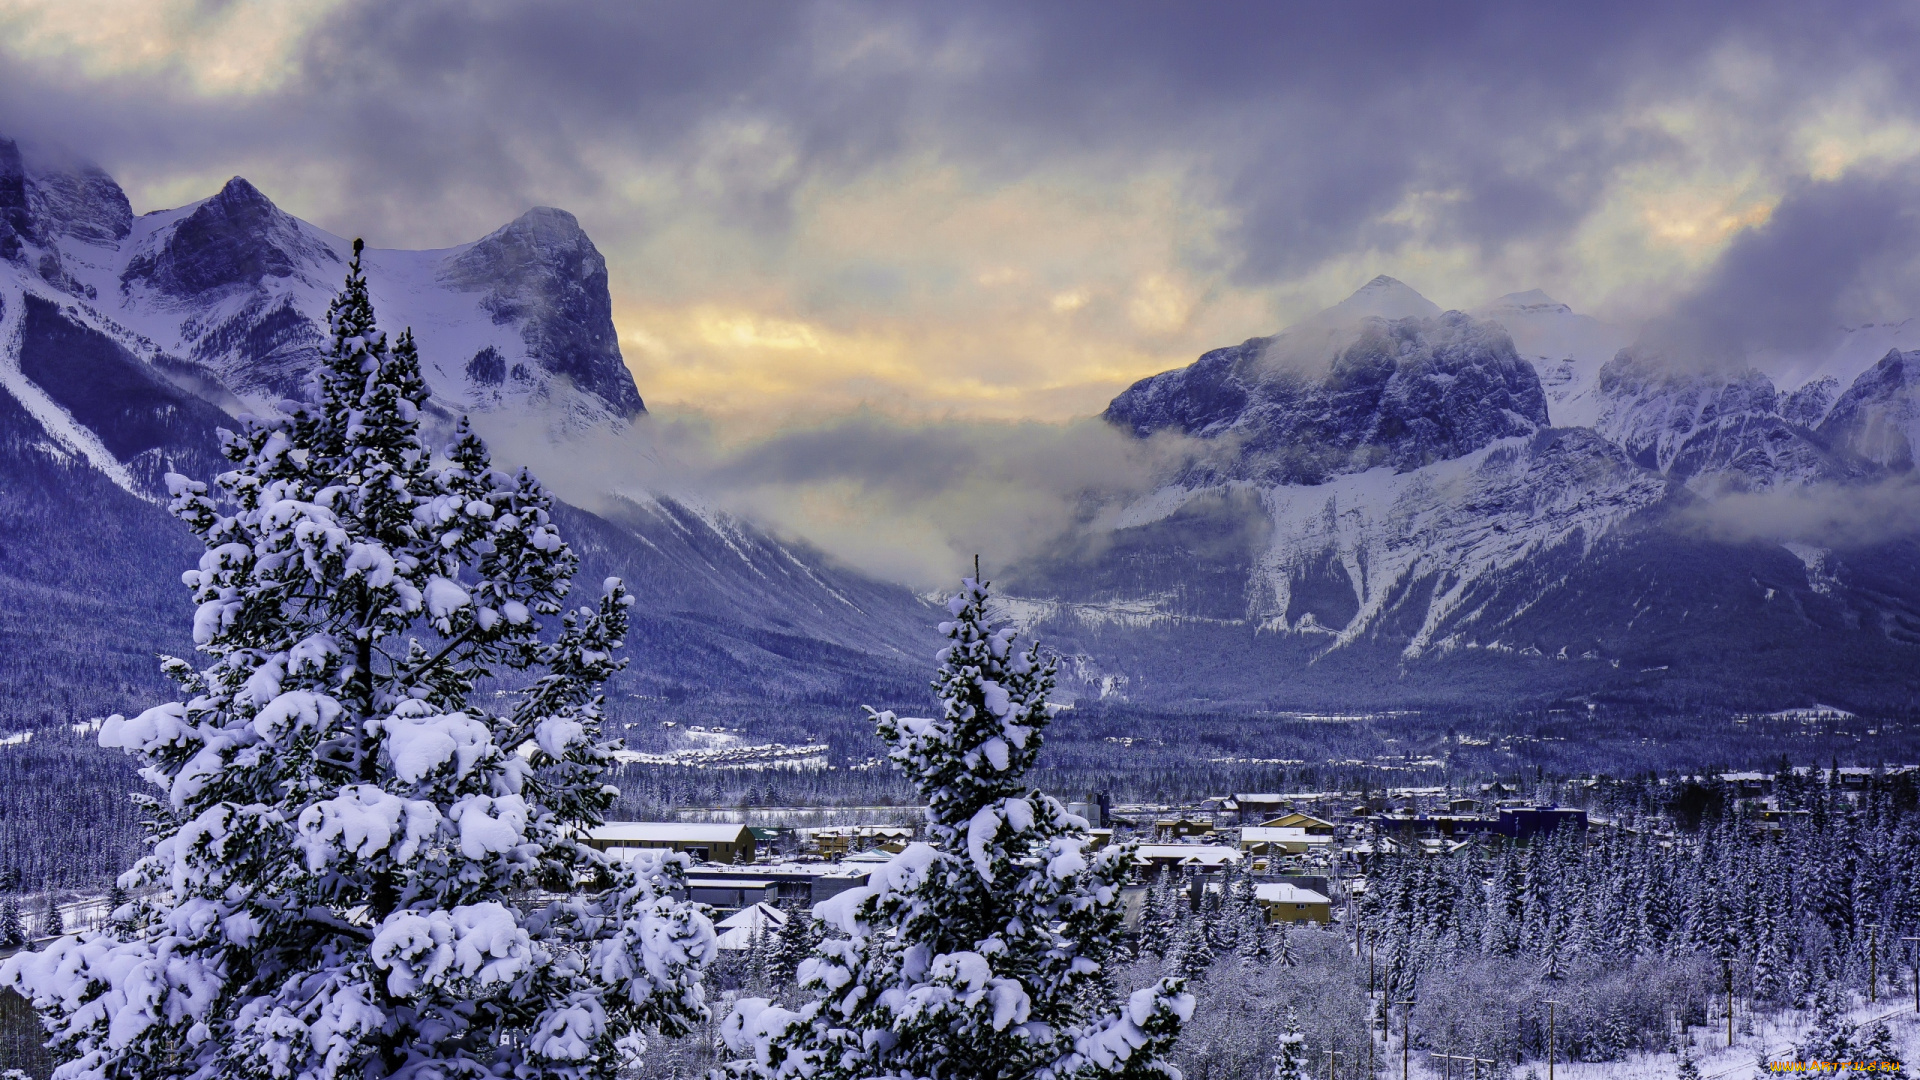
point(216, 49)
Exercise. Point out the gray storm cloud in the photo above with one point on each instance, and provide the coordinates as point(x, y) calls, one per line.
point(1833, 253)
point(1315, 135)
point(1311, 122)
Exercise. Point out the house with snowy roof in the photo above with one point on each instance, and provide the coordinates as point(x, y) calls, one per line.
point(1179, 827)
point(1250, 807)
point(792, 883)
point(1259, 840)
point(1190, 856)
point(1297, 820)
point(1288, 903)
point(736, 932)
point(722, 842)
point(839, 841)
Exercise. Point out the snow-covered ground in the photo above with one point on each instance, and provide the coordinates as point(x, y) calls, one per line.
point(1775, 1033)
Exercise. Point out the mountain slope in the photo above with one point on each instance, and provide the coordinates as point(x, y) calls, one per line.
point(1388, 514)
point(126, 343)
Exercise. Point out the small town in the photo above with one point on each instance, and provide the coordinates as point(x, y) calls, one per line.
point(837, 540)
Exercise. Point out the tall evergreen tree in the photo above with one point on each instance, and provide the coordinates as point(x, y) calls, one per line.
point(970, 954)
point(1282, 946)
point(793, 944)
point(1687, 1070)
point(1290, 1055)
point(1883, 1055)
point(12, 934)
point(1830, 1038)
point(364, 870)
point(1255, 942)
point(1192, 955)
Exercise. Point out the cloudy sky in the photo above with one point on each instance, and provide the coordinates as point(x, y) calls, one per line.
point(963, 213)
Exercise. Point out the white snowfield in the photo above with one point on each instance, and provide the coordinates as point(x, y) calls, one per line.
point(73, 437)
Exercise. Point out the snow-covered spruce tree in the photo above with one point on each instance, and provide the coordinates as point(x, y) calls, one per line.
point(1192, 955)
point(1882, 1053)
point(1829, 1037)
point(1290, 1053)
point(363, 870)
point(965, 956)
point(1687, 1070)
point(793, 945)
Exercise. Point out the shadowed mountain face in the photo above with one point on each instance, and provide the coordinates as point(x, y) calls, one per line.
point(1878, 418)
point(1382, 514)
point(125, 344)
point(237, 239)
point(1405, 394)
point(541, 272)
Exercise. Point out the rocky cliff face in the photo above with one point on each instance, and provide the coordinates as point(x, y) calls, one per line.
point(1386, 496)
point(1729, 429)
point(125, 343)
point(1403, 394)
point(1878, 418)
point(542, 274)
point(47, 198)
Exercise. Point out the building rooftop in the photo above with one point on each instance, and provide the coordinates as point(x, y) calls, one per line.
point(1279, 892)
point(735, 932)
point(668, 832)
point(1281, 834)
point(1199, 854)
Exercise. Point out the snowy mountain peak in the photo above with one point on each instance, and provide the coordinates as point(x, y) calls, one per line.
point(47, 194)
point(1878, 418)
point(1383, 297)
point(230, 294)
point(1531, 301)
point(542, 271)
point(235, 240)
point(1403, 394)
point(237, 196)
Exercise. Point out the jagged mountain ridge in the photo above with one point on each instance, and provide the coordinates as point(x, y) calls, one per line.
point(126, 342)
point(1404, 393)
point(1529, 517)
point(1401, 504)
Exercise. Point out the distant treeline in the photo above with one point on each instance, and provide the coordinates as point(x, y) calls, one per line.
point(1637, 927)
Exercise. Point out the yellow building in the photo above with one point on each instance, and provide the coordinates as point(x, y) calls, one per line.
point(839, 841)
point(1313, 826)
point(1282, 840)
point(1286, 903)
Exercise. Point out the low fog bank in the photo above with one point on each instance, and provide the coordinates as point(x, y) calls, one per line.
point(910, 502)
point(1829, 515)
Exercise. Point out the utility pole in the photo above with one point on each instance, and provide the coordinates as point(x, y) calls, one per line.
point(1916, 970)
point(1330, 1056)
point(1473, 1061)
point(1873, 964)
point(1550, 1004)
point(1406, 1036)
point(1727, 962)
